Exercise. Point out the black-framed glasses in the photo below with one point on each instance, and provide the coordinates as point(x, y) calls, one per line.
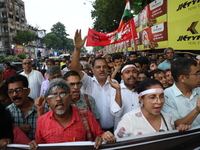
point(196, 74)
point(54, 96)
point(78, 84)
point(17, 90)
point(28, 63)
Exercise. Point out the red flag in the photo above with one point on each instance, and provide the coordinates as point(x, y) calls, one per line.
point(101, 39)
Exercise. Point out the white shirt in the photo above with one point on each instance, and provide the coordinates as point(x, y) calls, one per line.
point(35, 78)
point(134, 123)
point(130, 101)
point(103, 98)
point(178, 105)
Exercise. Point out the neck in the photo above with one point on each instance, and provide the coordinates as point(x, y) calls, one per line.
point(102, 82)
point(65, 118)
point(169, 60)
point(74, 100)
point(184, 89)
point(27, 71)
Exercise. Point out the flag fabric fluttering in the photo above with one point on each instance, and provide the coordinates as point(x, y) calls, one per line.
point(127, 13)
point(125, 31)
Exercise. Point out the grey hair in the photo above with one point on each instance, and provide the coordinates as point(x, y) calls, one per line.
point(85, 64)
point(53, 70)
point(56, 84)
point(168, 49)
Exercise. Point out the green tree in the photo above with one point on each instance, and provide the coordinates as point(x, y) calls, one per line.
point(107, 13)
point(23, 37)
point(52, 41)
point(21, 55)
point(59, 30)
point(70, 45)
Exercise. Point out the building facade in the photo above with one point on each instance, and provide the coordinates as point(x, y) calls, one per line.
point(12, 20)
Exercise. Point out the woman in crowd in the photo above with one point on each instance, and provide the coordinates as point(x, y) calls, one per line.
point(142, 75)
point(152, 66)
point(149, 118)
point(170, 79)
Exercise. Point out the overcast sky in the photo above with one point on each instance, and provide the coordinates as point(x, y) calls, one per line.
point(74, 14)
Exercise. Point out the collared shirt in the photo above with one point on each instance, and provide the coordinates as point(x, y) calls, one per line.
point(35, 78)
point(135, 123)
point(49, 130)
point(44, 86)
point(178, 105)
point(129, 99)
point(164, 65)
point(7, 73)
point(19, 119)
point(104, 99)
point(81, 103)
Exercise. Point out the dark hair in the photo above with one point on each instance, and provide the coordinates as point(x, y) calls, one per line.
point(15, 78)
point(144, 72)
point(132, 53)
point(98, 58)
point(156, 71)
point(127, 63)
point(146, 84)
point(50, 60)
point(136, 61)
point(151, 62)
point(181, 66)
point(57, 60)
point(6, 127)
point(116, 56)
point(7, 63)
point(70, 73)
point(144, 60)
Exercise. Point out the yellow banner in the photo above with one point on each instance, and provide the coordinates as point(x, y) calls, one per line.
point(184, 24)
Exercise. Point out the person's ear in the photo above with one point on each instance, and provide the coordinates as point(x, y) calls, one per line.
point(182, 78)
point(141, 100)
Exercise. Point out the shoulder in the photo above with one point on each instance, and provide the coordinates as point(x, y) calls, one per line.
point(11, 106)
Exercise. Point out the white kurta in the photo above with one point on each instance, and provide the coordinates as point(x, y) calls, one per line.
point(35, 78)
point(134, 123)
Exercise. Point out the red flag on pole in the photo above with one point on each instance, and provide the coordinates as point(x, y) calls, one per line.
point(128, 31)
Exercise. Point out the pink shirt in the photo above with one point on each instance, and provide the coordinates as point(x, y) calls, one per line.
point(19, 136)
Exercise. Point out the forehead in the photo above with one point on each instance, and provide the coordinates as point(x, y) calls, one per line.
point(26, 60)
point(169, 50)
point(59, 90)
point(194, 68)
point(100, 62)
point(73, 79)
point(15, 84)
point(130, 69)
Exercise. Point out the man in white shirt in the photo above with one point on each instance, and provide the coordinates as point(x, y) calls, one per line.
point(182, 100)
point(98, 86)
point(35, 78)
point(129, 96)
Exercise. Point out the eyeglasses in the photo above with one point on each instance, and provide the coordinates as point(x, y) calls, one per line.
point(196, 74)
point(58, 76)
point(17, 90)
point(153, 99)
point(54, 96)
point(78, 84)
point(27, 63)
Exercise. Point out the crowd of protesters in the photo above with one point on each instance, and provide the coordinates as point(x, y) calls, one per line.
point(98, 98)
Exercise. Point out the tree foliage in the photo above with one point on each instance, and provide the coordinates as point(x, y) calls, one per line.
point(52, 41)
point(107, 13)
point(23, 37)
point(21, 55)
point(59, 30)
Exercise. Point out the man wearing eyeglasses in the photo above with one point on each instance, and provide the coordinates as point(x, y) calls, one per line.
point(63, 123)
point(34, 77)
point(78, 99)
point(182, 99)
point(22, 109)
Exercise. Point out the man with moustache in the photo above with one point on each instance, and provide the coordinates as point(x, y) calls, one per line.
point(169, 52)
point(98, 86)
point(128, 95)
point(77, 99)
point(22, 109)
point(66, 123)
